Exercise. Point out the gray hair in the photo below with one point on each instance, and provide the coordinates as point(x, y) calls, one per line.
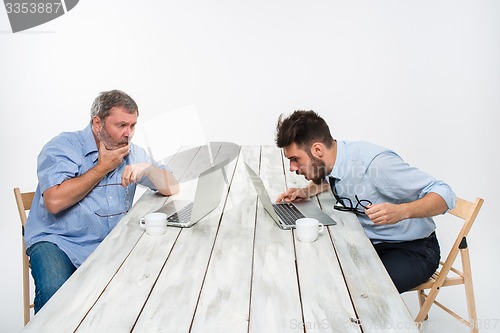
point(109, 99)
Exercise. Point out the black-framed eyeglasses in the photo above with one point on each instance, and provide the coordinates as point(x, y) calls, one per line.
point(345, 204)
point(127, 201)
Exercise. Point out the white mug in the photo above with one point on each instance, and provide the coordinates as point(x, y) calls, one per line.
point(154, 223)
point(308, 229)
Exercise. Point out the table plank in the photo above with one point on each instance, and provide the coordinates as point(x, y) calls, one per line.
point(275, 302)
point(70, 304)
point(325, 298)
point(225, 297)
point(117, 308)
point(233, 271)
point(378, 304)
point(383, 309)
point(178, 286)
point(78, 296)
point(118, 311)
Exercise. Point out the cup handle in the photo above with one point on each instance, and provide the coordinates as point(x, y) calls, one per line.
point(321, 227)
point(142, 223)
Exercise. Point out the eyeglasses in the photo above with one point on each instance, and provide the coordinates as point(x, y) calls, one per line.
point(345, 204)
point(127, 200)
point(341, 204)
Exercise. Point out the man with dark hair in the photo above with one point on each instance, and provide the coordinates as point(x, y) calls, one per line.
point(87, 181)
point(393, 201)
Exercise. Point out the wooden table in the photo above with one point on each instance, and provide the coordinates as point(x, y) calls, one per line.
point(234, 271)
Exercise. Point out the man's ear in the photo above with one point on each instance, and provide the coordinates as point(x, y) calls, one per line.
point(96, 123)
point(317, 149)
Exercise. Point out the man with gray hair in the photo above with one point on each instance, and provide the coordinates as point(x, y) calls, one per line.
point(86, 184)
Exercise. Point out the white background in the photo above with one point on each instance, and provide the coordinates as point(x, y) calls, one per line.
point(420, 77)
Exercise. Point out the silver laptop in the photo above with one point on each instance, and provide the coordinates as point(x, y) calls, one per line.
point(285, 214)
point(183, 213)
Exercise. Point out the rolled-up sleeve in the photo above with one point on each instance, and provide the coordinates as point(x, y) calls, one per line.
point(444, 190)
point(401, 182)
point(56, 163)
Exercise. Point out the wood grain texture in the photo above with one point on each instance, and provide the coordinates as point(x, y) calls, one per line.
point(99, 270)
point(180, 281)
point(326, 302)
point(70, 304)
point(234, 271)
point(225, 297)
point(378, 304)
point(275, 302)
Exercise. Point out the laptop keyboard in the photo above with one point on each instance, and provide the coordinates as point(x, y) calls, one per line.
point(182, 216)
point(288, 213)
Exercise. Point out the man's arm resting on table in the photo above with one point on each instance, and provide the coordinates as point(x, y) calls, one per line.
point(430, 205)
point(296, 194)
point(164, 182)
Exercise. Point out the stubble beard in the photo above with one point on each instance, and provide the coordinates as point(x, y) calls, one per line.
point(319, 170)
point(108, 142)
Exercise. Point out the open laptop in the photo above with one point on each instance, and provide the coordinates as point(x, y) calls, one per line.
point(184, 213)
point(285, 214)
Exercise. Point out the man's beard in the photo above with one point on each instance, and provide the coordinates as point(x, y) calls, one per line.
point(108, 142)
point(318, 169)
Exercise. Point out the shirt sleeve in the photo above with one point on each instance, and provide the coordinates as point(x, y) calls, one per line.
point(401, 182)
point(58, 161)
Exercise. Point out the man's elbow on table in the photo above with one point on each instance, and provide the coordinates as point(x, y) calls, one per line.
point(170, 184)
point(169, 190)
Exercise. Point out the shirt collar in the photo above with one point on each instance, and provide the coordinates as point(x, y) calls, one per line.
point(89, 144)
point(338, 167)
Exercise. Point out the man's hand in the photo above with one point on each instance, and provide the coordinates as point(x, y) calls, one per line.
point(69, 192)
point(430, 205)
point(297, 194)
point(385, 213)
point(293, 194)
point(164, 182)
point(111, 159)
point(133, 173)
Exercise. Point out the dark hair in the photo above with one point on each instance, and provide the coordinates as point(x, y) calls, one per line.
point(302, 128)
point(109, 99)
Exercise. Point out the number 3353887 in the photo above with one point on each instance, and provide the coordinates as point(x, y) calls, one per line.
point(32, 7)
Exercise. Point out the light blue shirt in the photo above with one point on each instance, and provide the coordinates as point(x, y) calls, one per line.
point(378, 174)
point(80, 228)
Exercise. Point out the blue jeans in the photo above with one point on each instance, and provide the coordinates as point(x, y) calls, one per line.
point(50, 268)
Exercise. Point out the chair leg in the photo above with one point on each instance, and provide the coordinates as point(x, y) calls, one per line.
point(469, 291)
point(429, 300)
point(421, 300)
point(26, 288)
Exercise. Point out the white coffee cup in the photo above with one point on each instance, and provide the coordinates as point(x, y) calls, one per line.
point(154, 223)
point(308, 229)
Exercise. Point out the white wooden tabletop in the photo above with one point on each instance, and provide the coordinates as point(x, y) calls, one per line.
point(234, 271)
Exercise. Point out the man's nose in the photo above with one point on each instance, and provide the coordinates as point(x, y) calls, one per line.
point(293, 167)
point(128, 132)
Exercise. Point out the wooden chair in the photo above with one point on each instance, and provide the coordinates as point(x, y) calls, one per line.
point(24, 201)
point(447, 275)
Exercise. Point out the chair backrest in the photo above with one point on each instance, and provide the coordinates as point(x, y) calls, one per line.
point(24, 201)
point(467, 211)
